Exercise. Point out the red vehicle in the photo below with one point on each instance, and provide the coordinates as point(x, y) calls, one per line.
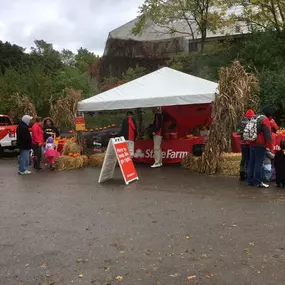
point(8, 139)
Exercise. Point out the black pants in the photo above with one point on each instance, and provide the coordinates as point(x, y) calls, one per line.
point(245, 155)
point(38, 156)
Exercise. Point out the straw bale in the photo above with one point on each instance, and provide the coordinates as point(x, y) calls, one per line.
point(71, 147)
point(67, 163)
point(229, 164)
point(96, 160)
point(192, 162)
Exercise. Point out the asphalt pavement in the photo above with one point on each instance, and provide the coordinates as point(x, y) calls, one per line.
point(172, 227)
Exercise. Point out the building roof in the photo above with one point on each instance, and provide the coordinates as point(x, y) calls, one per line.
point(154, 32)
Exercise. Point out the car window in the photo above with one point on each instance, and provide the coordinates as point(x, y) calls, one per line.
point(5, 121)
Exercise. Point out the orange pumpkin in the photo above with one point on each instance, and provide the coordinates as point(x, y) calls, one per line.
point(113, 125)
point(70, 154)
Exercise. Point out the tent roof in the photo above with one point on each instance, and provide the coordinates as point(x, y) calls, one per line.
point(164, 87)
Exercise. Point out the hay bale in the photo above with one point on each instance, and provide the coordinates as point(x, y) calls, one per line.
point(229, 164)
point(96, 159)
point(67, 163)
point(230, 156)
point(71, 147)
point(229, 168)
point(192, 162)
point(85, 160)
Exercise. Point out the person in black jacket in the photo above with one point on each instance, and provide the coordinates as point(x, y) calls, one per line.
point(279, 164)
point(24, 141)
point(49, 129)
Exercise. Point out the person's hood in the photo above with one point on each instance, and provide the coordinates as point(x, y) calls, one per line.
point(267, 111)
point(50, 140)
point(249, 114)
point(26, 119)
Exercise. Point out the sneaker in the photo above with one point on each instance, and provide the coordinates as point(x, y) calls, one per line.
point(27, 172)
point(156, 165)
point(263, 185)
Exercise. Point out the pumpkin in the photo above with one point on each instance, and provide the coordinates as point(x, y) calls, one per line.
point(100, 129)
point(109, 126)
point(104, 128)
point(71, 131)
point(70, 154)
point(113, 125)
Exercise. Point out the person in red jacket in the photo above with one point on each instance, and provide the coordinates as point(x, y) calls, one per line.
point(274, 126)
point(258, 148)
point(38, 142)
point(245, 152)
point(129, 131)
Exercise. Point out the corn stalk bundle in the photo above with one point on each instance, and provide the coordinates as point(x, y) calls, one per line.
point(64, 109)
point(23, 105)
point(238, 91)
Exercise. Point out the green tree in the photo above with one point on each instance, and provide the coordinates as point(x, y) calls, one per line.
point(12, 56)
point(262, 14)
point(44, 54)
point(84, 58)
point(67, 57)
point(134, 73)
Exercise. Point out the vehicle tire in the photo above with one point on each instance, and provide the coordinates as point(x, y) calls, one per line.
point(1, 151)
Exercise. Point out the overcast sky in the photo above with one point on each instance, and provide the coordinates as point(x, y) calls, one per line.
point(66, 24)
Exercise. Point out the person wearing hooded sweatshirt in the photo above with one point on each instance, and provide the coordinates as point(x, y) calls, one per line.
point(24, 141)
point(258, 148)
point(244, 145)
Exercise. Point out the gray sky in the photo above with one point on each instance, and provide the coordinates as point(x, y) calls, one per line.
point(66, 24)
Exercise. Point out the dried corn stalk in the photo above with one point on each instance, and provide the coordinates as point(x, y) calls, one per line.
point(23, 106)
point(238, 91)
point(63, 110)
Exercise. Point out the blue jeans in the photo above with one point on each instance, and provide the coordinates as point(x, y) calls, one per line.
point(24, 160)
point(255, 165)
point(267, 172)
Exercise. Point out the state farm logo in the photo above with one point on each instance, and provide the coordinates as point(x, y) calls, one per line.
point(169, 154)
point(139, 153)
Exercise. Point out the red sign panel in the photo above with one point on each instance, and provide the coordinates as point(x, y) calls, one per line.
point(79, 123)
point(125, 161)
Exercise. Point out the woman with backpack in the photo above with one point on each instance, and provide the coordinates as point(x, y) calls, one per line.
point(244, 145)
point(258, 133)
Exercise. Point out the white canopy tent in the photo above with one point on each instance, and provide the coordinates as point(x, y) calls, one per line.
point(164, 87)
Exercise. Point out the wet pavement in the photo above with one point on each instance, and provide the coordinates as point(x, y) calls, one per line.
point(170, 227)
